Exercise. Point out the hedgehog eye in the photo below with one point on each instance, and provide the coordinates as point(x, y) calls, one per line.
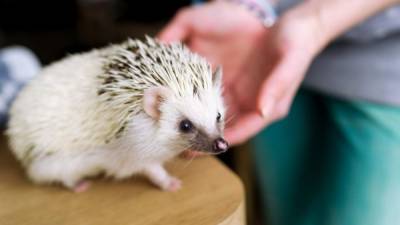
point(219, 117)
point(185, 126)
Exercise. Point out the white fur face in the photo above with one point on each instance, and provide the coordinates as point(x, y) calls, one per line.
point(193, 122)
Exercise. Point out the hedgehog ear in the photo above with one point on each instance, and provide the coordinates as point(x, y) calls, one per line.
point(217, 77)
point(152, 99)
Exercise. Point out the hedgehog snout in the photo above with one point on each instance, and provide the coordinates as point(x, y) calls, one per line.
point(220, 145)
point(212, 144)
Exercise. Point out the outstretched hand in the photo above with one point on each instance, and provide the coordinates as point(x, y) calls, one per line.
point(263, 68)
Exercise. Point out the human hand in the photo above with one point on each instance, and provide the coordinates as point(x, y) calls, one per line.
point(262, 67)
point(263, 94)
point(223, 32)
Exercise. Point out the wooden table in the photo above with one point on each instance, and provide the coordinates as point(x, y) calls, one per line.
point(211, 195)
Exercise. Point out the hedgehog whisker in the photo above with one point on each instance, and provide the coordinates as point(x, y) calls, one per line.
point(230, 118)
point(191, 158)
point(190, 161)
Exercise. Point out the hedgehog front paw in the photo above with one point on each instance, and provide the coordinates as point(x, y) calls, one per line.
point(173, 184)
point(160, 177)
point(81, 186)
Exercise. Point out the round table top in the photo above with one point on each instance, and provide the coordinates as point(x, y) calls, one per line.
point(211, 195)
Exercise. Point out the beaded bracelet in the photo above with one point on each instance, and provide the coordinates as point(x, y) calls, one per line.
point(261, 8)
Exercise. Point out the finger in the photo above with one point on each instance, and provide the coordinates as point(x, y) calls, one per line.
point(276, 86)
point(282, 108)
point(178, 29)
point(244, 128)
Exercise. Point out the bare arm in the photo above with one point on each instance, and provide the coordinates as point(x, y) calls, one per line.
point(334, 17)
point(327, 19)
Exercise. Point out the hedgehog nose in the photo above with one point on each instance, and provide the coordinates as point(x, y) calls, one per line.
point(220, 145)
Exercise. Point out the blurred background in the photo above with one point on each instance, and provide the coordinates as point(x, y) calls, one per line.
point(53, 29)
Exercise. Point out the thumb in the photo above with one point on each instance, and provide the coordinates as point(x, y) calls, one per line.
point(276, 85)
point(278, 90)
point(179, 28)
point(246, 126)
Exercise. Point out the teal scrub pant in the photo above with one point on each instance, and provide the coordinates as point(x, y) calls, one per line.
point(331, 162)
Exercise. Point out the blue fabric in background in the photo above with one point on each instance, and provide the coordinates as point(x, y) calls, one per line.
point(3, 72)
point(4, 101)
point(18, 65)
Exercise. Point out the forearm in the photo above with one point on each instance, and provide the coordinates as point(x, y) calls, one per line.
point(334, 17)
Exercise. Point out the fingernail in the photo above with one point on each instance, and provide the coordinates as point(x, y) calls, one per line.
point(267, 109)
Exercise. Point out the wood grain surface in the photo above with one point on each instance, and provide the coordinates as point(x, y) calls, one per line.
point(211, 195)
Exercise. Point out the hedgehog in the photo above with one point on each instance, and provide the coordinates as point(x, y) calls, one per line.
point(117, 111)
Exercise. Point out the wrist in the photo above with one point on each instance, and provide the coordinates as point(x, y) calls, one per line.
point(305, 20)
point(331, 19)
point(262, 9)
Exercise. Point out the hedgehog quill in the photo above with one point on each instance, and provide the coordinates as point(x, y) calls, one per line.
point(121, 110)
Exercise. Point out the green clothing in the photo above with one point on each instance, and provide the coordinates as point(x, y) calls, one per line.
point(331, 162)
